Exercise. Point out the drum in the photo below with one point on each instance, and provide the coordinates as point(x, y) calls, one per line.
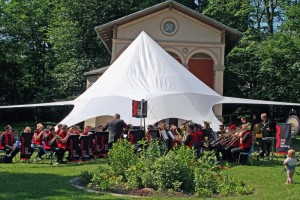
point(293, 120)
point(257, 130)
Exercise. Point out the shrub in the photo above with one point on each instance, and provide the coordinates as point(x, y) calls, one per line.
point(122, 156)
point(178, 170)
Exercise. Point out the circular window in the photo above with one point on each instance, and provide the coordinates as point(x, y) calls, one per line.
point(169, 27)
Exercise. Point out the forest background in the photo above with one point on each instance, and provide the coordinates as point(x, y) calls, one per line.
point(46, 46)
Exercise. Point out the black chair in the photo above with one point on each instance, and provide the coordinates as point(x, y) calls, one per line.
point(26, 150)
point(100, 147)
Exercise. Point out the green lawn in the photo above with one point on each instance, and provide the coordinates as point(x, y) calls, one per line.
point(45, 181)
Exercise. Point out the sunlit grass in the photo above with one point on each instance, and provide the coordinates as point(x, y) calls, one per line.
point(45, 181)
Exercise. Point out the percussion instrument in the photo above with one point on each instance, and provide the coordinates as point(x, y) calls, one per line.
point(295, 124)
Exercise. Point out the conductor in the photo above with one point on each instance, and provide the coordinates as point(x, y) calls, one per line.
point(115, 128)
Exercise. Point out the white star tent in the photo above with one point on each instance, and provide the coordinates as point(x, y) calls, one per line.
point(146, 71)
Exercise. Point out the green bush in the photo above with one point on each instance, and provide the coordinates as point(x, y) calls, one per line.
point(178, 170)
point(121, 157)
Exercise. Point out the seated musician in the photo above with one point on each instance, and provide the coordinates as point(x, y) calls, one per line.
point(87, 130)
point(50, 144)
point(231, 142)
point(177, 137)
point(38, 138)
point(220, 147)
point(193, 140)
point(198, 131)
point(268, 129)
point(148, 135)
point(76, 130)
point(62, 140)
point(7, 143)
point(99, 128)
point(208, 135)
point(26, 149)
point(59, 128)
point(245, 138)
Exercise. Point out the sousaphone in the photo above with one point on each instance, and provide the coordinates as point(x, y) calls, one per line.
point(294, 121)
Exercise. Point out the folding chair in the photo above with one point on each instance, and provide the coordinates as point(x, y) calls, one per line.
point(247, 154)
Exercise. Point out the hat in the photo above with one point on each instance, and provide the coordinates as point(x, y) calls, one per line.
point(207, 122)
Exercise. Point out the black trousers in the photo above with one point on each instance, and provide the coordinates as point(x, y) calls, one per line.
point(236, 152)
point(60, 152)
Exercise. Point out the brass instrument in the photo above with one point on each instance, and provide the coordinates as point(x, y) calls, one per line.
point(257, 131)
point(225, 137)
point(237, 135)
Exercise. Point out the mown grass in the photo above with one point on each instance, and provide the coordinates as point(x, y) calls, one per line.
point(45, 181)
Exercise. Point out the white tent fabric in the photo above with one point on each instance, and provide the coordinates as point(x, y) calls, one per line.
point(60, 103)
point(146, 71)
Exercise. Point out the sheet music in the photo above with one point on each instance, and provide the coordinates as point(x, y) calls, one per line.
point(171, 135)
point(164, 134)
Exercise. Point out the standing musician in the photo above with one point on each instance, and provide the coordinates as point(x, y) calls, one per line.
point(245, 138)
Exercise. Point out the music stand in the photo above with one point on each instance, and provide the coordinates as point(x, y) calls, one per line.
point(73, 144)
point(86, 149)
point(101, 143)
point(135, 136)
point(154, 134)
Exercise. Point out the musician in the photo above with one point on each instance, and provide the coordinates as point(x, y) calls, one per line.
point(193, 140)
point(220, 147)
point(87, 130)
point(207, 134)
point(37, 140)
point(177, 137)
point(100, 128)
point(268, 130)
point(245, 138)
point(254, 121)
point(8, 144)
point(59, 128)
point(244, 120)
point(230, 144)
point(62, 140)
point(50, 144)
point(115, 128)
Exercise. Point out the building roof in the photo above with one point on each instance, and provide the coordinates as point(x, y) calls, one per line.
point(105, 31)
point(98, 71)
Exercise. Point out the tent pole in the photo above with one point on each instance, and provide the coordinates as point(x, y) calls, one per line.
point(141, 114)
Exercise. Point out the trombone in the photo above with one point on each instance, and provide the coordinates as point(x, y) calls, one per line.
point(237, 136)
point(225, 137)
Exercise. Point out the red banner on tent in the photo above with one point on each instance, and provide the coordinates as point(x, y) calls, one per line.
point(136, 109)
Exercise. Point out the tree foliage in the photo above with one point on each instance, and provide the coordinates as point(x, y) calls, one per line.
point(46, 46)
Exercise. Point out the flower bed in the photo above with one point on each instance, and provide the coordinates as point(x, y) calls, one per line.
point(153, 171)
